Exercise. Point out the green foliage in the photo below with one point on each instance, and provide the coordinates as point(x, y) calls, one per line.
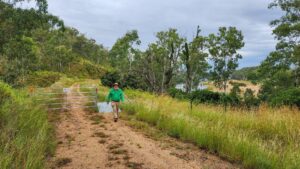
point(122, 53)
point(247, 73)
point(249, 99)
point(206, 96)
point(42, 78)
point(22, 58)
point(33, 40)
point(198, 96)
point(6, 93)
point(281, 69)
point(160, 61)
point(176, 93)
point(223, 49)
point(26, 138)
point(194, 59)
point(110, 77)
point(83, 68)
point(133, 81)
point(280, 81)
point(289, 97)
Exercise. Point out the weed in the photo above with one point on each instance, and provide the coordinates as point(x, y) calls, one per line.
point(96, 119)
point(134, 165)
point(63, 162)
point(100, 134)
point(102, 141)
point(119, 151)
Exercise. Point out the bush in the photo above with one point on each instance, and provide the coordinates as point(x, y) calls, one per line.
point(206, 96)
point(289, 97)
point(109, 78)
point(5, 93)
point(249, 99)
point(198, 96)
point(85, 69)
point(176, 93)
point(133, 81)
point(43, 78)
point(239, 84)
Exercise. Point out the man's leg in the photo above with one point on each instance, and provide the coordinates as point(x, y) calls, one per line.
point(114, 106)
point(117, 110)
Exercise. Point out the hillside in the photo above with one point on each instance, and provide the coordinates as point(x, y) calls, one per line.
point(245, 85)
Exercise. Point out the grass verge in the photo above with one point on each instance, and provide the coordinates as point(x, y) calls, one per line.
point(268, 138)
point(26, 137)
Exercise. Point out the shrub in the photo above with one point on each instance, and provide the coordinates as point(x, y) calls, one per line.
point(83, 68)
point(239, 84)
point(5, 93)
point(206, 96)
point(43, 78)
point(289, 97)
point(133, 81)
point(109, 78)
point(176, 93)
point(249, 99)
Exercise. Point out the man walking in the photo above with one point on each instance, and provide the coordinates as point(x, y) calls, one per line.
point(116, 96)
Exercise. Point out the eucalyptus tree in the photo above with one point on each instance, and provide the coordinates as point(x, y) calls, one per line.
point(194, 59)
point(160, 62)
point(122, 53)
point(286, 57)
point(223, 49)
point(170, 43)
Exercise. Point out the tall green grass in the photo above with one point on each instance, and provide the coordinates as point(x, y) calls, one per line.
point(265, 138)
point(26, 138)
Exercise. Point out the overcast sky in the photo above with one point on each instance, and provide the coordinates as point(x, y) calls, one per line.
point(107, 20)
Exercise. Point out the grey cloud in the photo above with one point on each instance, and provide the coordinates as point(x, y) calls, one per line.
point(107, 20)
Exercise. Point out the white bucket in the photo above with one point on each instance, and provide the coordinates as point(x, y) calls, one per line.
point(103, 107)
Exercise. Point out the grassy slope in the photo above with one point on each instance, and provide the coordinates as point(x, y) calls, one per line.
point(26, 137)
point(265, 139)
point(26, 134)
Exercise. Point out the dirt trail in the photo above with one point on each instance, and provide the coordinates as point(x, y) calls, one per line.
point(91, 141)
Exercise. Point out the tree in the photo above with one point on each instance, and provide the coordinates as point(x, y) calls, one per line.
point(41, 4)
point(33, 40)
point(283, 64)
point(171, 44)
point(22, 58)
point(286, 31)
point(160, 61)
point(122, 53)
point(194, 59)
point(151, 67)
point(223, 50)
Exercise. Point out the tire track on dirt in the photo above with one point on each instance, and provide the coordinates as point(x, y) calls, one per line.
point(90, 141)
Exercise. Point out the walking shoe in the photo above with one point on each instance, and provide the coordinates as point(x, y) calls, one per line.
point(115, 119)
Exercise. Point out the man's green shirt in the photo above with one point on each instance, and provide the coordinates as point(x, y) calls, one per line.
point(115, 95)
